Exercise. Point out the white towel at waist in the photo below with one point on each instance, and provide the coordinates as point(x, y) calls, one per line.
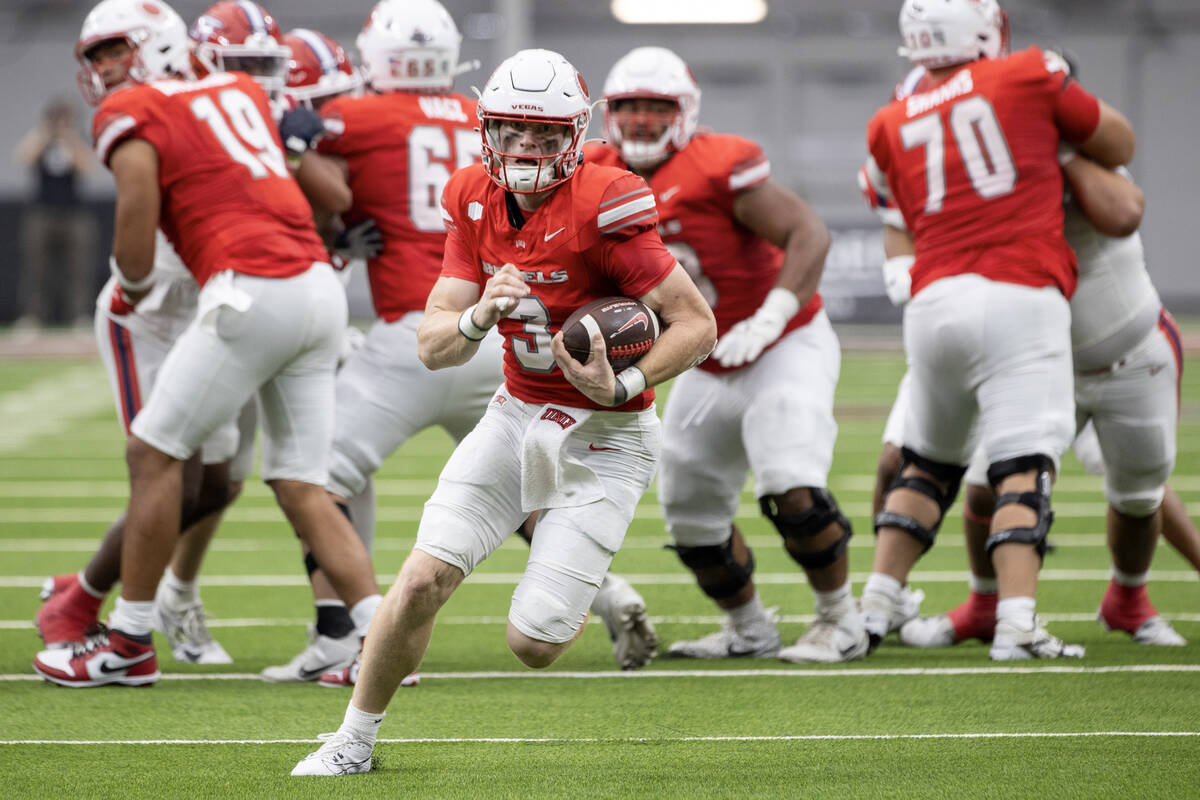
point(548, 478)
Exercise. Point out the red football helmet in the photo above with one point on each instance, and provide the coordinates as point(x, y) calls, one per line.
point(319, 68)
point(240, 36)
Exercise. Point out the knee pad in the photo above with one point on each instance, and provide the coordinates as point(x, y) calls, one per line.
point(730, 576)
point(950, 474)
point(796, 528)
point(1138, 506)
point(1038, 500)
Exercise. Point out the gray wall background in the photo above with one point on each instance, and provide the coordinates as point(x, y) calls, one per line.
point(803, 83)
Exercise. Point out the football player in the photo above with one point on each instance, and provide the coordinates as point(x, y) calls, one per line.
point(269, 320)
point(532, 234)
point(133, 343)
point(971, 164)
point(764, 401)
point(242, 36)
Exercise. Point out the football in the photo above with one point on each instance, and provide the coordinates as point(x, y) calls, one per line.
point(628, 325)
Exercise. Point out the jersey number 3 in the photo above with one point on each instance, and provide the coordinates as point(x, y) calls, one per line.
point(981, 145)
point(252, 145)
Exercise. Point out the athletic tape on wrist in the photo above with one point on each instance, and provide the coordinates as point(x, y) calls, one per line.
point(127, 285)
point(467, 326)
point(630, 383)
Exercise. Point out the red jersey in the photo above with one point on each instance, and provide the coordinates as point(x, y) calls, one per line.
point(228, 199)
point(733, 267)
point(593, 237)
point(401, 148)
point(972, 165)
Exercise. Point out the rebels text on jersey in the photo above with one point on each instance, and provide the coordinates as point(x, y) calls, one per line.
point(228, 200)
point(593, 237)
point(733, 267)
point(400, 149)
point(971, 164)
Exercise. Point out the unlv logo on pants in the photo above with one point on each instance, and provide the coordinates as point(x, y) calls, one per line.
point(559, 417)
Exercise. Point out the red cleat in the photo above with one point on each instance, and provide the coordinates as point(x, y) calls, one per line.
point(975, 618)
point(108, 657)
point(348, 676)
point(69, 614)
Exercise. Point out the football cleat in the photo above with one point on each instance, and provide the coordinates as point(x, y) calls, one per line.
point(1015, 644)
point(634, 640)
point(1128, 609)
point(348, 676)
point(907, 609)
point(974, 618)
point(341, 754)
point(107, 657)
point(758, 640)
point(878, 611)
point(829, 641)
point(928, 632)
point(69, 614)
point(323, 654)
point(186, 631)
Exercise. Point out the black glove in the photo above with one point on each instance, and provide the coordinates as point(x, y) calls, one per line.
point(364, 241)
point(300, 128)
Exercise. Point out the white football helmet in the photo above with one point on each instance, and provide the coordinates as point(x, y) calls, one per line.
point(409, 44)
point(152, 29)
point(654, 73)
point(942, 33)
point(537, 86)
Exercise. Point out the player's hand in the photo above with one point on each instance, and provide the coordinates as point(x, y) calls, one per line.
point(364, 241)
point(897, 279)
point(119, 305)
point(500, 296)
point(746, 340)
point(595, 378)
point(300, 128)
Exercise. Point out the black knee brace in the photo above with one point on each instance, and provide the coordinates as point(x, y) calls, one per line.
point(796, 528)
point(719, 558)
point(950, 474)
point(1038, 500)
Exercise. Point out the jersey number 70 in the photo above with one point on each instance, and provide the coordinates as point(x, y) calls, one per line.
point(981, 145)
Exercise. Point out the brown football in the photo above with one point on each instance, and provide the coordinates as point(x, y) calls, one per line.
point(628, 325)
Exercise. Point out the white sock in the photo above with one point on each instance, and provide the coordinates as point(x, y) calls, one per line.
point(886, 585)
point(184, 591)
point(132, 617)
point(982, 585)
point(87, 587)
point(837, 601)
point(363, 611)
point(746, 615)
point(361, 724)
point(1016, 611)
point(1130, 579)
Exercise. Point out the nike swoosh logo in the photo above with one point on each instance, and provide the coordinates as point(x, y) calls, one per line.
point(309, 674)
point(600, 449)
point(550, 236)
point(108, 667)
point(669, 193)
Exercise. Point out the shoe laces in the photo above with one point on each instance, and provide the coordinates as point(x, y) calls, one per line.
point(193, 625)
point(95, 636)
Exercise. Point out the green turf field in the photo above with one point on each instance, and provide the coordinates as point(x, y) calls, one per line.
point(1124, 722)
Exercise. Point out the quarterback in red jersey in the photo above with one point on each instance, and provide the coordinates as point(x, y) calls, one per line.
point(970, 161)
point(531, 235)
point(764, 402)
point(202, 159)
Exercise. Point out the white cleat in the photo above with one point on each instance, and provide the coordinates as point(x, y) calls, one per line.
point(186, 631)
point(1014, 644)
point(1157, 631)
point(323, 654)
point(928, 632)
point(878, 611)
point(759, 640)
point(634, 640)
point(829, 641)
point(341, 754)
point(907, 609)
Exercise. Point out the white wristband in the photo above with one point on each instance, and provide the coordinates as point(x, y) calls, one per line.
point(467, 326)
point(630, 383)
point(1066, 154)
point(131, 287)
point(782, 302)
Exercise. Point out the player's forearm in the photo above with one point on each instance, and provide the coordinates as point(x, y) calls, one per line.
point(804, 260)
point(322, 183)
point(683, 343)
point(1113, 142)
point(440, 343)
point(1111, 202)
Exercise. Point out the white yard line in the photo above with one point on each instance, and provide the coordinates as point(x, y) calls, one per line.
point(49, 406)
point(512, 578)
point(799, 672)
point(805, 619)
point(814, 737)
